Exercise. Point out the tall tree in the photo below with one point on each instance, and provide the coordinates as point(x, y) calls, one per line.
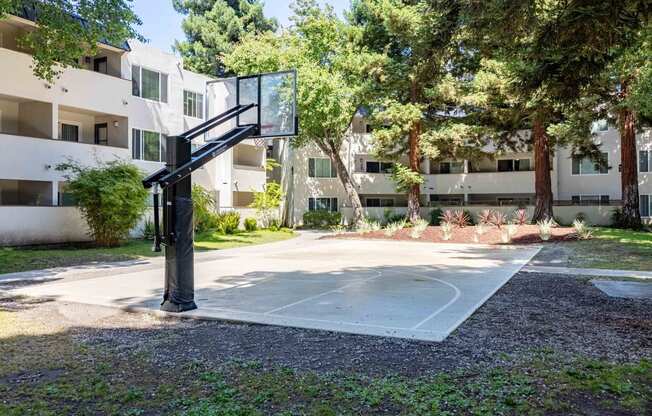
point(631, 104)
point(213, 27)
point(418, 39)
point(549, 52)
point(331, 74)
point(67, 30)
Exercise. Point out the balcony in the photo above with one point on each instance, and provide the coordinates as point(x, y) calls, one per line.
point(479, 183)
point(79, 88)
point(33, 158)
point(248, 178)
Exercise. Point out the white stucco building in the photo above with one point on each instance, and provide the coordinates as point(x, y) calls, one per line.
point(120, 104)
point(505, 181)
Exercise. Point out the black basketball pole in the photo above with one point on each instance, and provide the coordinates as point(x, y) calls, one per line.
point(177, 215)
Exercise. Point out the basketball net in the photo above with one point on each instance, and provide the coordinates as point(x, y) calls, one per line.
point(260, 142)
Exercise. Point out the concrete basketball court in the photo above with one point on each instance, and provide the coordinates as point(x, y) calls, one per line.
point(399, 289)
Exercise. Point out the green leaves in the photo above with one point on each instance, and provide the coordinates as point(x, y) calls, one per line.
point(405, 178)
point(68, 30)
point(214, 27)
point(111, 198)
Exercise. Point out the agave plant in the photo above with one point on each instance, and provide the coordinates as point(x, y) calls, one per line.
point(498, 219)
point(447, 230)
point(418, 227)
point(461, 218)
point(520, 217)
point(447, 216)
point(367, 226)
point(485, 217)
point(393, 227)
point(545, 228)
point(582, 230)
point(508, 233)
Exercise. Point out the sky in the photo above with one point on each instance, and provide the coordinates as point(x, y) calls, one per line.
point(162, 25)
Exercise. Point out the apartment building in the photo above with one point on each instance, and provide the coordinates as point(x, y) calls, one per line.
point(120, 104)
point(504, 181)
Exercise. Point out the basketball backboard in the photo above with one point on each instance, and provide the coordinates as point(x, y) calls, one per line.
point(275, 97)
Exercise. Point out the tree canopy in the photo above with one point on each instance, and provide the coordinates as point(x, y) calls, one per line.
point(331, 72)
point(68, 30)
point(213, 27)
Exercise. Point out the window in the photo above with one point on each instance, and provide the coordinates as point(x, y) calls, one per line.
point(590, 199)
point(322, 204)
point(378, 167)
point(451, 167)
point(100, 65)
point(148, 84)
point(644, 160)
point(380, 202)
point(321, 168)
point(599, 126)
point(646, 205)
point(148, 145)
point(193, 104)
point(25, 193)
point(513, 165)
point(69, 132)
point(586, 166)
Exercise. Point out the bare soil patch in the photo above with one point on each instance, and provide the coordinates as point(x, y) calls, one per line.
point(526, 234)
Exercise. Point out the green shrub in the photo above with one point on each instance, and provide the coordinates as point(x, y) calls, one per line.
point(203, 209)
point(435, 216)
point(267, 203)
point(111, 198)
point(390, 217)
point(618, 219)
point(274, 225)
point(227, 222)
point(148, 231)
point(471, 217)
point(321, 219)
point(250, 224)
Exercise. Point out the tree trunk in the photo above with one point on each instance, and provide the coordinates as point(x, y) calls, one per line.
point(629, 170)
point(345, 178)
point(542, 183)
point(414, 193)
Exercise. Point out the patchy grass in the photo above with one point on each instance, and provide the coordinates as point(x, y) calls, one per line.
point(53, 374)
point(33, 258)
point(612, 248)
point(52, 369)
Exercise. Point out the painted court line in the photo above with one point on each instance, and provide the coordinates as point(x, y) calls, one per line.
point(319, 295)
point(458, 293)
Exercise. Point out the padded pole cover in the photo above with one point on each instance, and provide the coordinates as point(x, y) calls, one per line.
point(179, 254)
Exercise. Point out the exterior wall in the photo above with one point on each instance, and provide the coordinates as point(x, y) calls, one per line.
point(478, 184)
point(31, 111)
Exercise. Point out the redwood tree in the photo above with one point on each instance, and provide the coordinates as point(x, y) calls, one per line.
point(550, 53)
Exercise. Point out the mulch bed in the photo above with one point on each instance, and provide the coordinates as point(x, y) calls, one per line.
point(527, 234)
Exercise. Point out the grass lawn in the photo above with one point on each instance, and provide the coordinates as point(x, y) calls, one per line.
point(612, 248)
point(52, 372)
point(33, 258)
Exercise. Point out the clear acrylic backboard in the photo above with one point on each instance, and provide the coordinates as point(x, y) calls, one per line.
point(275, 95)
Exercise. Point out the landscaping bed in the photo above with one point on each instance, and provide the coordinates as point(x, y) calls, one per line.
point(526, 234)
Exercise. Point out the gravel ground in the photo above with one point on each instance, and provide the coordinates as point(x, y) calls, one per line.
point(533, 311)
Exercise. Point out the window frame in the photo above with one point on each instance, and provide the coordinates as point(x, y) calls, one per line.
point(139, 83)
point(312, 168)
point(162, 137)
point(79, 126)
point(648, 161)
point(380, 200)
point(199, 109)
point(589, 174)
point(333, 203)
point(601, 199)
point(649, 205)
